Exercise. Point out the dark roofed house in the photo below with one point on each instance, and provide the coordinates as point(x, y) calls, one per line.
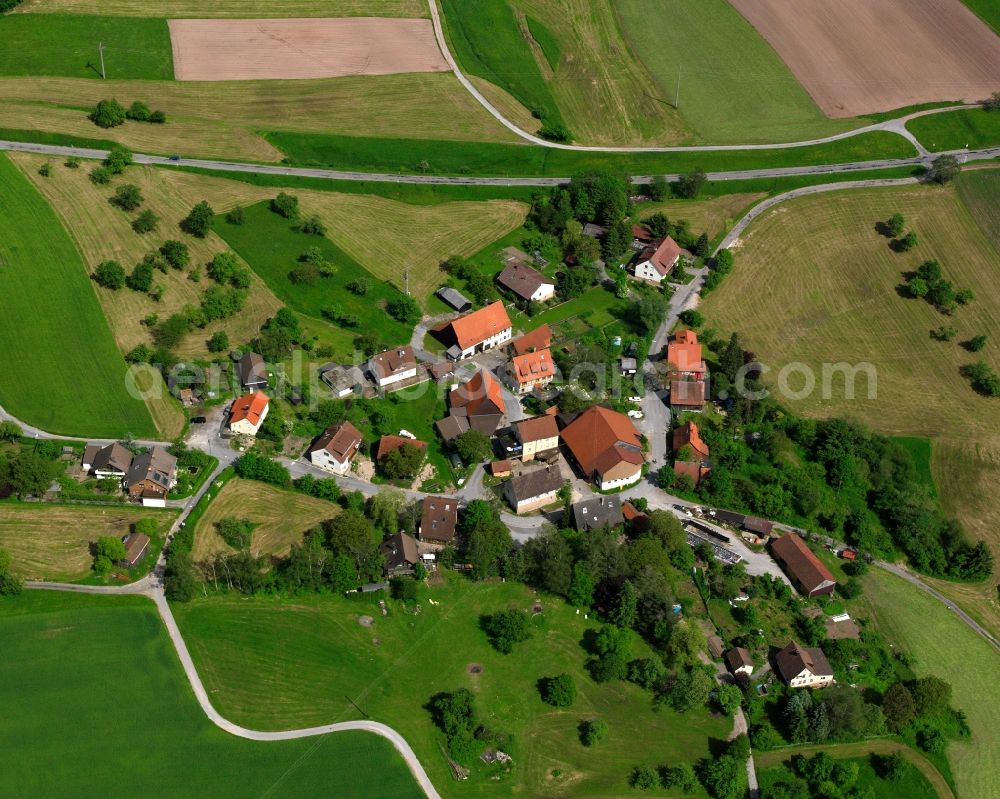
point(526, 282)
point(112, 460)
point(438, 520)
point(687, 395)
point(252, 371)
point(804, 569)
point(136, 546)
point(738, 661)
point(592, 231)
point(803, 667)
point(393, 366)
point(656, 262)
point(451, 427)
point(755, 524)
point(400, 553)
point(596, 513)
point(334, 450)
point(152, 475)
point(454, 298)
point(535, 489)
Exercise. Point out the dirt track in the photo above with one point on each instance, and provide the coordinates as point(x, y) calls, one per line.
point(261, 49)
point(861, 56)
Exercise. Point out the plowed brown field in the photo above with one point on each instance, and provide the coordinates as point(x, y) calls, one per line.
point(861, 56)
point(260, 49)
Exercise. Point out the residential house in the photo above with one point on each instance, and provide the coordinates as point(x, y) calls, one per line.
point(248, 413)
point(342, 380)
point(807, 572)
point(451, 427)
point(803, 667)
point(455, 299)
point(592, 231)
point(538, 339)
point(596, 513)
point(636, 520)
point(388, 444)
point(480, 330)
point(439, 520)
point(605, 446)
point(442, 369)
point(501, 469)
point(112, 460)
point(656, 262)
point(136, 547)
point(531, 370)
point(526, 283)
point(759, 526)
point(642, 237)
point(688, 395)
point(628, 366)
point(738, 661)
point(152, 475)
point(538, 436)
point(252, 372)
point(480, 401)
point(690, 453)
point(533, 490)
point(392, 367)
point(334, 450)
point(400, 553)
point(684, 356)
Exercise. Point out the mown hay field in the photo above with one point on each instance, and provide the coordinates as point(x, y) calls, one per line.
point(713, 216)
point(52, 542)
point(230, 8)
point(943, 646)
point(61, 369)
point(224, 119)
point(281, 518)
point(815, 283)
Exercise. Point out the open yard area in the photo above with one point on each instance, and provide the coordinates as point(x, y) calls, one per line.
point(944, 646)
point(224, 119)
point(96, 704)
point(823, 288)
point(274, 663)
point(231, 8)
point(62, 44)
point(749, 95)
point(281, 518)
point(858, 57)
point(249, 49)
point(52, 542)
point(953, 130)
point(713, 216)
point(40, 268)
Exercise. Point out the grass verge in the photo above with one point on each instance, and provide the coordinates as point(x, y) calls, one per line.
point(974, 128)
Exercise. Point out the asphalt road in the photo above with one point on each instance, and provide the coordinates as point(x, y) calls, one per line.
point(445, 180)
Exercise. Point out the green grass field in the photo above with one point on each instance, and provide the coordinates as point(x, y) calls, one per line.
point(913, 784)
point(987, 11)
point(487, 41)
point(980, 191)
point(412, 156)
point(96, 704)
point(733, 87)
point(61, 372)
point(272, 246)
point(247, 9)
point(546, 40)
point(135, 48)
point(920, 450)
point(973, 128)
point(272, 663)
point(823, 283)
point(942, 645)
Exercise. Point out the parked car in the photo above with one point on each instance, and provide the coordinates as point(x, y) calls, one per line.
point(198, 419)
point(636, 414)
point(635, 399)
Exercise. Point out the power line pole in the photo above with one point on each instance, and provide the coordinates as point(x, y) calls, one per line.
point(677, 95)
point(100, 49)
point(406, 282)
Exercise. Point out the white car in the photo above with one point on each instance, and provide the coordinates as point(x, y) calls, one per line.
point(635, 399)
point(636, 414)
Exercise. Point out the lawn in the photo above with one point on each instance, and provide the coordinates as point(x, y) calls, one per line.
point(232, 8)
point(733, 86)
point(96, 704)
point(274, 663)
point(822, 286)
point(913, 784)
point(987, 11)
point(224, 119)
point(713, 216)
point(135, 48)
point(52, 542)
point(487, 40)
point(281, 518)
point(973, 128)
point(64, 375)
point(980, 191)
point(942, 645)
point(413, 156)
